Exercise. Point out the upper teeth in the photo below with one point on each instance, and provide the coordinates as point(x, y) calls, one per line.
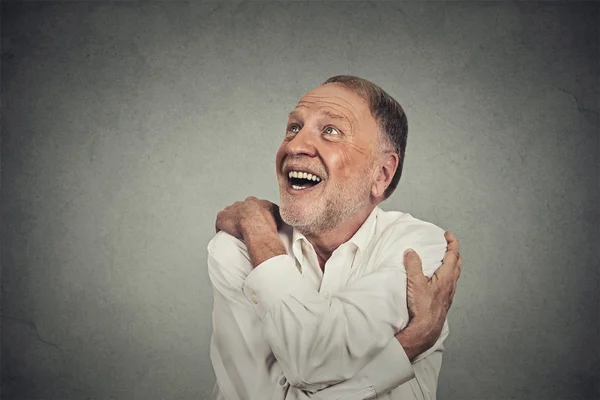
point(304, 175)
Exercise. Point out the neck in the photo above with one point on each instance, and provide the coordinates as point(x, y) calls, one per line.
point(326, 242)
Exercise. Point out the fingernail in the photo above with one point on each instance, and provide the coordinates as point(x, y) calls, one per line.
point(408, 252)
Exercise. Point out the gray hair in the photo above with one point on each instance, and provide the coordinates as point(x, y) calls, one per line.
point(388, 113)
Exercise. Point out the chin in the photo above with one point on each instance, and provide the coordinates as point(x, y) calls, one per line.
point(290, 217)
point(294, 218)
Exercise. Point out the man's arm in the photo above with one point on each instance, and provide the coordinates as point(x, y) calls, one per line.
point(317, 340)
point(428, 303)
point(238, 346)
point(429, 299)
point(237, 342)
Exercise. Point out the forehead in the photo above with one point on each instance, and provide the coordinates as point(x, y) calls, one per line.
point(338, 98)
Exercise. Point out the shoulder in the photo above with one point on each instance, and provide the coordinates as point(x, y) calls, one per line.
point(400, 226)
point(229, 260)
point(223, 245)
point(397, 231)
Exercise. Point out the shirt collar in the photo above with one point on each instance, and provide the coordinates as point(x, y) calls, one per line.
point(361, 238)
point(364, 234)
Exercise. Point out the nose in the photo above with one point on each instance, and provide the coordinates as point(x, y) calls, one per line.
point(302, 144)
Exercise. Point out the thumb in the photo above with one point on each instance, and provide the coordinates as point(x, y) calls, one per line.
point(414, 266)
point(274, 208)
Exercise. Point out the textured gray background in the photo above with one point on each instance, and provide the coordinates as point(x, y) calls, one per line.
point(127, 127)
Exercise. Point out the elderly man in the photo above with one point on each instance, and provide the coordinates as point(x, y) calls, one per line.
point(331, 303)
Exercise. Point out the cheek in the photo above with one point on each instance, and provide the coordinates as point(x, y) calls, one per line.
point(348, 159)
point(279, 157)
point(339, 162)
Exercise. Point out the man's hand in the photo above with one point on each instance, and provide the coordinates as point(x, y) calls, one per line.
point(252, 214)
point(255, 222)
point(428, 299)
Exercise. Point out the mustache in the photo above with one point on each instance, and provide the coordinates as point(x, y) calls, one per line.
point(318, 169)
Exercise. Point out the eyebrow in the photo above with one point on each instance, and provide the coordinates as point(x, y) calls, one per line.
point(328, 113)
point(333, 115)
point(294, 114)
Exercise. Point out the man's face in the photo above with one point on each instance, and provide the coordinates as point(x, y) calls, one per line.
point(332, 136)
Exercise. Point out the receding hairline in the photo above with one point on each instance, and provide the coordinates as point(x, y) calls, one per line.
point(362, 90)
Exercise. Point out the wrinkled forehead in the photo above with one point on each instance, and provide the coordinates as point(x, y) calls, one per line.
point(337, 97)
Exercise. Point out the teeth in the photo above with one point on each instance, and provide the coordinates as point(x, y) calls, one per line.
point(304, 175)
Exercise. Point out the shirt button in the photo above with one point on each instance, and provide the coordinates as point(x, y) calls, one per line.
point(327, 295)
point(254, 299)
point(282, 381)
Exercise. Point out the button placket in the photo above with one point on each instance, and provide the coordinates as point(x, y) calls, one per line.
point(331, 276)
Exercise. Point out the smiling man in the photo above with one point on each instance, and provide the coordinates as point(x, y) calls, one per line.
point(319, 298)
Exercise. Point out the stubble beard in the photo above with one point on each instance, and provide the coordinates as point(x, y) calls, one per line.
point(328, 211)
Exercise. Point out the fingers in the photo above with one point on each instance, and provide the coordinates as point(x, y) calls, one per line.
point(448, 269)
point(452, 241)
point(458, 267)
point(414, 267)
point(453, 245)
point(218, 222)
point(277, 215)
point(273, 209)
point(448, 273)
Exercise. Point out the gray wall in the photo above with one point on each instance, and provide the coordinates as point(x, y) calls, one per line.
point(127, 127)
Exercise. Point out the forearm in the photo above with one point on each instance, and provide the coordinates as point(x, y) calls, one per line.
point(318, 340)
point(392, 368)
point(262, 244)
point(415, 339)
point(389, 369)
point(427, 366)
point(235, 344)
point(329, 338)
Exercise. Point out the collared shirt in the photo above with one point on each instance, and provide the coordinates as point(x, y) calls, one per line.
point(288, 330)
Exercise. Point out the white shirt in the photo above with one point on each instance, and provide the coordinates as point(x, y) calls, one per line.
point(286, 330)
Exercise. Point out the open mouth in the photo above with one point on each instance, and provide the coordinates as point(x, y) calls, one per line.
point(303, 180)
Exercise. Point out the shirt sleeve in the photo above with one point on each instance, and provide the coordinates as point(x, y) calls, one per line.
point(389, 369)
point(319, 340)
point(237, 344)
point(427, 370)
point(322, 340)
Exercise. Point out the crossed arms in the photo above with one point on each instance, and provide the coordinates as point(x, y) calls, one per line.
point(341, 337)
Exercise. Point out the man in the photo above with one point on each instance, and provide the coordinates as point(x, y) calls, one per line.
point(318, 306)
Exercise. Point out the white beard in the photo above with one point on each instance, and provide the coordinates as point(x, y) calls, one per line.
point(328, 211)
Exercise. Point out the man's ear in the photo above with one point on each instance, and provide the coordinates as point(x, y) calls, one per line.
point(384, 173)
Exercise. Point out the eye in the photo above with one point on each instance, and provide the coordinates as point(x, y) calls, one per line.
point(293, 128)
point(331, 130)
